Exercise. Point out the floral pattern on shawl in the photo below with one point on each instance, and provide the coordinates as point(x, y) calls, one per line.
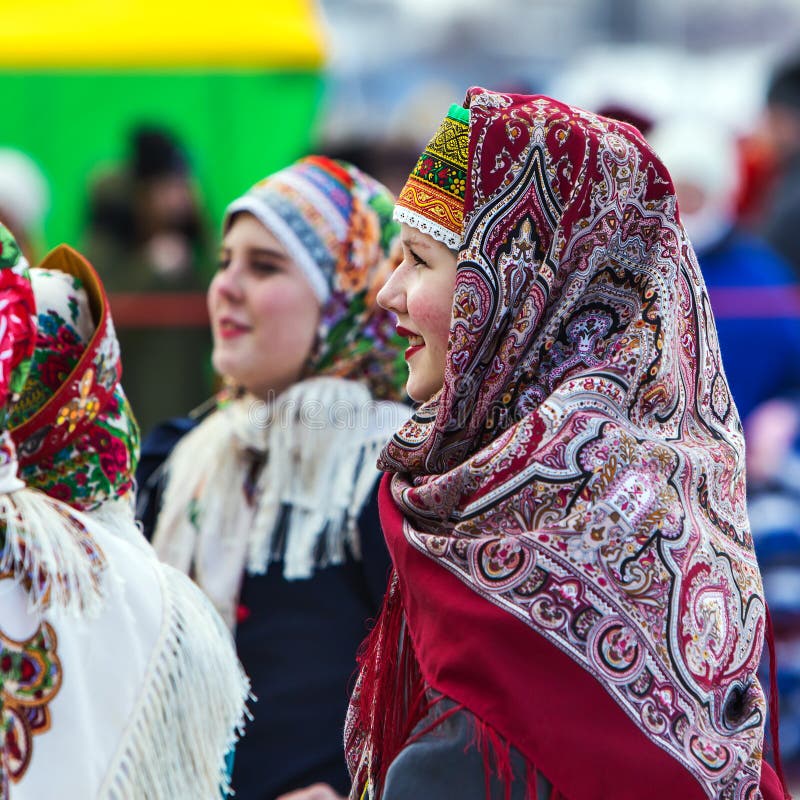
point(77, 438)
point(30, 677)
point(582, 468)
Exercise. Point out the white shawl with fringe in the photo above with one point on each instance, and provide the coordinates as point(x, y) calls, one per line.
point(318, 443)
point(146, 695)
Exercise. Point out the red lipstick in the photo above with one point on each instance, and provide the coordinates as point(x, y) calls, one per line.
point(409, 334)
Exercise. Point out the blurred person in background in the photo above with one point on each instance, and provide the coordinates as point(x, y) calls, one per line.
point(117, 677)
point(24, 199)
point(146, 233)
point(773, 475)
point(270, 502)
point(761, 353)
point(781, 128)
point(146, 229)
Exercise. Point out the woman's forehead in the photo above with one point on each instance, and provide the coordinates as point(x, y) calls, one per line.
point(412, 236)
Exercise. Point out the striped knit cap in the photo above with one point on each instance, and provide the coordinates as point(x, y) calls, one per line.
point(309, 207)
point(432, 200)
point(336, 224)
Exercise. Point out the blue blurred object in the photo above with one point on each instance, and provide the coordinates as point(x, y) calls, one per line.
point(774, 508)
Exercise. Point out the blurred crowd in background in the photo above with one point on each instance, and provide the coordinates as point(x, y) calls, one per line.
point(136, 182)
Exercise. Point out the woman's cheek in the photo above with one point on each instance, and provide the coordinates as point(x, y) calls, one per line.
point(431, 316)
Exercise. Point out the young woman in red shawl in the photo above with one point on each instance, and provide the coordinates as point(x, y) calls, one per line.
point(576, 610)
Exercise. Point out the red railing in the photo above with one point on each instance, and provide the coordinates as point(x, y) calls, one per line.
point(159, 309)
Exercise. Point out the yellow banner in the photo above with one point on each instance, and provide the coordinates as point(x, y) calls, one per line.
point(160, 33)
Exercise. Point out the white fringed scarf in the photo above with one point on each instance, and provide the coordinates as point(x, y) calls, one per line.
point(158, 646)
point(318, 443)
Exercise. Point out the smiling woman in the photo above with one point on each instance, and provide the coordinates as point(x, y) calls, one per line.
point(575, 609)
point(264, 312)
point(271, 502)
point(419, 293)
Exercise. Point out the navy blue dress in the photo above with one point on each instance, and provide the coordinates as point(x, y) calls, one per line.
point(297, 641)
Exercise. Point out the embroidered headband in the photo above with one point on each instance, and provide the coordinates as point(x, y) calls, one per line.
point(432, 201)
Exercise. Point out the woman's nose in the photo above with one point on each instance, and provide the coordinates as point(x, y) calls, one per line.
point(392, 296)
point(228, 282)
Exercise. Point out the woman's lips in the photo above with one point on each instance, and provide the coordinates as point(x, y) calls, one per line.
point(414, 339)
point(411, 350)
point(228, 329)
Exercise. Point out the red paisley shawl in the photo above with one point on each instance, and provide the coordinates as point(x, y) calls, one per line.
point(567, 517)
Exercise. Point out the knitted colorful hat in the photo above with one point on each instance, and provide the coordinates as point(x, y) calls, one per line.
point(336, 224)
point(432, 201)
point(308, 206)
point(77, 438)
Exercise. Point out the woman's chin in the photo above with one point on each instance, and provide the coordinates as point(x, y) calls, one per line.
point(231, 368)
point(422, 390)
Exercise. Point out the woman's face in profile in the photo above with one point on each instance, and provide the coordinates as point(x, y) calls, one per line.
point(264, 313)
point(420, 293)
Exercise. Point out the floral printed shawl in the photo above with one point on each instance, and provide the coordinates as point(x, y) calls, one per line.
point(104, 651)
point(567, 516)
point(77, 438)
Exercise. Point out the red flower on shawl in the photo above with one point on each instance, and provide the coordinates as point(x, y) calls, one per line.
point(115, 461)
point(55, 369)
point(65, 342)
point(17, 327)
point(114, 457)
point(60, 491)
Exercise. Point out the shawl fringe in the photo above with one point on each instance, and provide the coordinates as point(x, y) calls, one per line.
point(390, 700)
point(320, 469)
point(168, 754)
point(48, 549)
point(495, 750)
point(309, 458)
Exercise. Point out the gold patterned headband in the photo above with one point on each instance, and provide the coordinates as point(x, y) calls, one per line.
point(432, 201)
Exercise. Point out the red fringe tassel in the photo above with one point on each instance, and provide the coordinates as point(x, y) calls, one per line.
point(496, 752)
point(390, 698)
point(774, 712)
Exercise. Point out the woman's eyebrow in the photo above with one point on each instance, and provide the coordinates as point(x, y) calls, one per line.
point(267, 252)
point(414, 242)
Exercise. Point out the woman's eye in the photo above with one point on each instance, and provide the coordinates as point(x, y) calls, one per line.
point(223, 263)
point(416, 260)
point(264, 268)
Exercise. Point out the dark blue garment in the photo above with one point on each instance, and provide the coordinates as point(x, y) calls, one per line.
point(782, 215)
point(760, 355)
point(297, 641)
point(298, 646)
